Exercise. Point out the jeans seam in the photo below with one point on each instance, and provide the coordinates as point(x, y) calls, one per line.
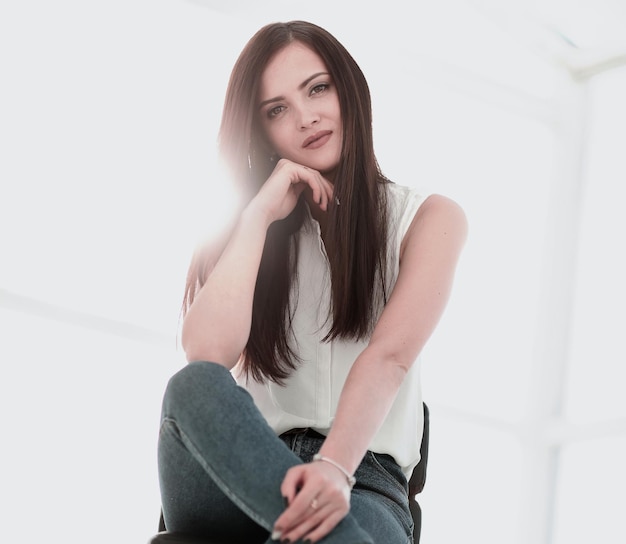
point(391, 476)
point(402, 509)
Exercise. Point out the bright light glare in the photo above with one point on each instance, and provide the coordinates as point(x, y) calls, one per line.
point(109, 131)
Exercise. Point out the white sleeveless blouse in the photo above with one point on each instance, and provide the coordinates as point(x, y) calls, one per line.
point(310, 395)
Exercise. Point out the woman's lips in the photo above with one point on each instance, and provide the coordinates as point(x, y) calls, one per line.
point(317, 140)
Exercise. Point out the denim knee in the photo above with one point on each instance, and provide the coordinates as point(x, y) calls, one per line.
point(199, 381)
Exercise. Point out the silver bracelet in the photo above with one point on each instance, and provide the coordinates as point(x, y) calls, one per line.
point(351, 479)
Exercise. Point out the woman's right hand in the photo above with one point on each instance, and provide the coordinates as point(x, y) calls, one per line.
point(279, 195)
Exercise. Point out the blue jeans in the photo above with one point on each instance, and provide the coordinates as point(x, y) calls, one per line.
point(221, 467)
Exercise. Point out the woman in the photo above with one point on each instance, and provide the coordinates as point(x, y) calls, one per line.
point(318, 300)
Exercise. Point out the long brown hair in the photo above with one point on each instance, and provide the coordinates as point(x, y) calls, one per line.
point(356, 239)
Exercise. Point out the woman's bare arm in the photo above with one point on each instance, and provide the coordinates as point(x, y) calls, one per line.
point(217, 325)
point(430, 252)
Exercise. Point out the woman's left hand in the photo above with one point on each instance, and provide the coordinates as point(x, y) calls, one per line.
point(317, 497)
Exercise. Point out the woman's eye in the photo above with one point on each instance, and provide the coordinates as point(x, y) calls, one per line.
point(319, 88)
point(273, 112)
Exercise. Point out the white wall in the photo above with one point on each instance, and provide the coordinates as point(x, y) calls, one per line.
point(108, 119)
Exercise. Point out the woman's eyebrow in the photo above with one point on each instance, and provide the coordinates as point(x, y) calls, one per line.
point(300, 87)
point(309, 79)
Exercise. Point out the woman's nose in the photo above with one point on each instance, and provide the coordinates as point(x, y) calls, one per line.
point(307, 117)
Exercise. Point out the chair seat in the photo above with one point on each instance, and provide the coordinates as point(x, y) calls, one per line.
point(180, 538)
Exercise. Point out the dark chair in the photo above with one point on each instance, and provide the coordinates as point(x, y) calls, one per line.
point(416, 485)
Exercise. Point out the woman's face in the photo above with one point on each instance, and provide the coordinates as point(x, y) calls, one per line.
point(299, 109)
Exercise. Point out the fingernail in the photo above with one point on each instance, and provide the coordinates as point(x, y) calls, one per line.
point(276, 535)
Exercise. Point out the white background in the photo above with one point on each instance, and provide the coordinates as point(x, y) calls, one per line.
point(108, 121)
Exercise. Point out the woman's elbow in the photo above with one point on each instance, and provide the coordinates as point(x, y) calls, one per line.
point(199, 347)
point(400, 365)
point(397, 363)
point(210, 354)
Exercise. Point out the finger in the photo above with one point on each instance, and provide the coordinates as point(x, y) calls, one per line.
point(329, 191)
point(323, 528)
point(313, 518)
point(324, 192)
point(312, 178)
point(318, 525)
point(298, 512)
point(292, 482)
point(298, 509)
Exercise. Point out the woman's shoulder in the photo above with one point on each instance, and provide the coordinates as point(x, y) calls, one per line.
point(441, 205)
point(416, 213)
point(439, 214)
